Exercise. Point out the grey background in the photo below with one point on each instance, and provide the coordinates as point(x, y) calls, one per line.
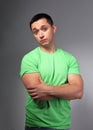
point(74, 20)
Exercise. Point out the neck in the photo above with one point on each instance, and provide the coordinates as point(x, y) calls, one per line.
point(49, 49)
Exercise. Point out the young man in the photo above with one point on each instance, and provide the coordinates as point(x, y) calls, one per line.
point(52, 78)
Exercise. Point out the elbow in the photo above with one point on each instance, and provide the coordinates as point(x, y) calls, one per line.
point(80, 92)
point(79, 95)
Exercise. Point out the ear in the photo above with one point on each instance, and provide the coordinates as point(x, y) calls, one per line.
point(54, 28)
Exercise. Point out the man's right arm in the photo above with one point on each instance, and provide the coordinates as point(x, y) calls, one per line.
point(31, 79)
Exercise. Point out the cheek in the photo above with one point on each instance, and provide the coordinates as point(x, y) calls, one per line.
point(36, 38)
point(49, 34)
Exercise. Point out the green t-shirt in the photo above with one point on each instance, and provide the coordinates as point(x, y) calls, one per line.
point(54, 69)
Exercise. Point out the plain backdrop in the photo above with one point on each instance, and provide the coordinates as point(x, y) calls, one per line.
point(74, 20)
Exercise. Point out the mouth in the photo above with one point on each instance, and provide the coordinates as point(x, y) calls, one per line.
point(43, 41)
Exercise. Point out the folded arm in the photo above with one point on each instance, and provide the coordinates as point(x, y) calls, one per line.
point(38, 90)
point(72, 90)
point(33, 80)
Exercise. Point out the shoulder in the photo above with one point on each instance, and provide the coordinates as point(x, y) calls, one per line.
point(65, 53)
point(31, 54)
point(72, 62)
point(68, 57)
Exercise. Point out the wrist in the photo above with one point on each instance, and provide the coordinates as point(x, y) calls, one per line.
point(50, 90)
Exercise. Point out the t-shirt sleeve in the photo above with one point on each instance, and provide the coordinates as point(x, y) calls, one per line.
point(73, 66)
point(28, 65)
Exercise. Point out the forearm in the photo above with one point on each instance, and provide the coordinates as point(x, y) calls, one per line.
point(32, 81)
point(66, 91)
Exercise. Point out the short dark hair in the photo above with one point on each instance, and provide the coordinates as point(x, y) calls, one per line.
point(40, 16)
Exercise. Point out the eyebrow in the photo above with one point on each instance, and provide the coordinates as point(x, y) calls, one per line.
point(34, 29)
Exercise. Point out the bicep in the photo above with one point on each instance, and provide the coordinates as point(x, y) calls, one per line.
point(76, 83)
point(75, 79)
point(31, 79)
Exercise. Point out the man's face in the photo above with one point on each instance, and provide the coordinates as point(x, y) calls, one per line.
point(43, 32)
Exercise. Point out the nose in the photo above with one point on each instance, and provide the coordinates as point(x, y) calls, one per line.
point(41, 35)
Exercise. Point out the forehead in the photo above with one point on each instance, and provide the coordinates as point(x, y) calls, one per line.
point(39, 23)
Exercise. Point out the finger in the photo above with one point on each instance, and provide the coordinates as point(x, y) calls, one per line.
point(35, 96)
point(31, 88)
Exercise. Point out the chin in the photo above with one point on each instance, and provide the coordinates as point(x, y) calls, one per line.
point(44, 44)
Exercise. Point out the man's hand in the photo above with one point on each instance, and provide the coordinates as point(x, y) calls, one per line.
point(40, 92)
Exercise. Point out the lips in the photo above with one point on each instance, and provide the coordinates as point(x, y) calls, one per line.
point(44, 40)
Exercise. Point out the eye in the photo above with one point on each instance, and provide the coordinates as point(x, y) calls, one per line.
point(44, 28)
point(35, 32)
